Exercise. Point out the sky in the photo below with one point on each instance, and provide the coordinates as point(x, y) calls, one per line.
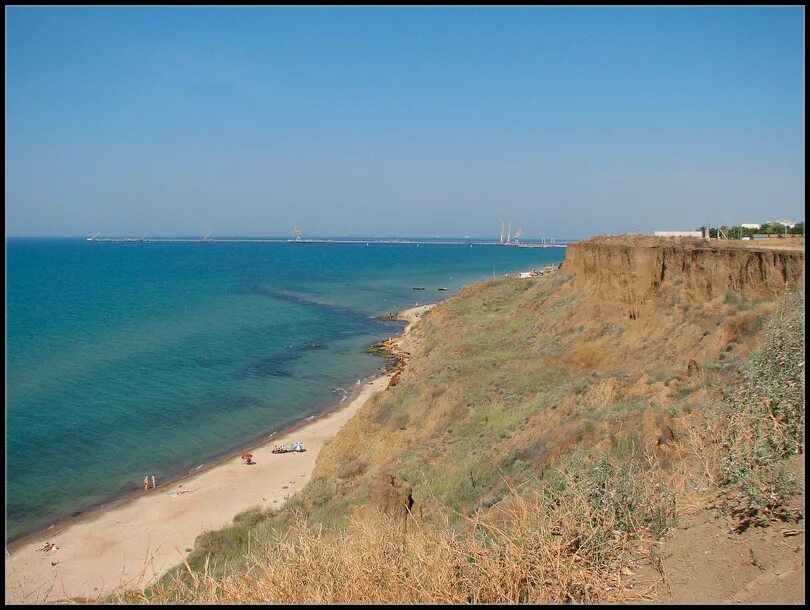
point(362, 121)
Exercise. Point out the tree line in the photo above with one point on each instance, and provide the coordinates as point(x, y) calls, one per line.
point(773, 229)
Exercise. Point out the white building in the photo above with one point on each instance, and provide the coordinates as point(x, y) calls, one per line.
point(787, 223)
point(749, 225)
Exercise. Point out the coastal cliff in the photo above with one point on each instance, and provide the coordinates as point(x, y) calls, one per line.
point(548, 435)
point(635, 270)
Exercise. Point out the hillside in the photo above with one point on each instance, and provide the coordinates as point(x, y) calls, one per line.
point(547, 438)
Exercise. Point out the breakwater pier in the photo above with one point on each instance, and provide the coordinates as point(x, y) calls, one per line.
point(262, 240)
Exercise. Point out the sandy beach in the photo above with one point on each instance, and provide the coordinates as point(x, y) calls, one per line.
point(136, 541)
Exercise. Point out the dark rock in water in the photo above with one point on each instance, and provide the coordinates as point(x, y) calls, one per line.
point(378, 349)
point(383, 350)
point(387, 317)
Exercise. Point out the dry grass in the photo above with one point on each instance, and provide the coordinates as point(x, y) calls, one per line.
point(544, 547)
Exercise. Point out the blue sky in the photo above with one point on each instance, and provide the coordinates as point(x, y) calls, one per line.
point(569, 122)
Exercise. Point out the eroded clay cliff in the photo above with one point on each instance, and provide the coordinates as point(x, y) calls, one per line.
point(634, 270)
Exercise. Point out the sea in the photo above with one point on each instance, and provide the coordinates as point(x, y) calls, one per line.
point(130, 358)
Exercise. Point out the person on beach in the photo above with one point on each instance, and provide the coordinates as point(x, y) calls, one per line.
point(145, 483)
point(153, 481)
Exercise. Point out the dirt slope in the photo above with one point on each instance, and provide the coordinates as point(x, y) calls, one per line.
point(618, 346)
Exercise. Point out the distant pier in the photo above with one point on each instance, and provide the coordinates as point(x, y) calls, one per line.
point(245, 240)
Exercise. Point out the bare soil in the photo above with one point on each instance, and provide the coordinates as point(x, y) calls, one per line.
point(704, 561)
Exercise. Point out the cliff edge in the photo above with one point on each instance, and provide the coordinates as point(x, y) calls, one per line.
point(635, 270)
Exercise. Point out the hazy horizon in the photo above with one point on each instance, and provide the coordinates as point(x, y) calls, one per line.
point(291, 235)
point(409, 121)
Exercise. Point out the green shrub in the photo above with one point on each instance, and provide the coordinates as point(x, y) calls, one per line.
point(765, 415)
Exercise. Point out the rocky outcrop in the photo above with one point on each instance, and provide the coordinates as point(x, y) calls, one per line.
point(391, 495)
point(693, 369)
point(632, 270)
point(396, 357)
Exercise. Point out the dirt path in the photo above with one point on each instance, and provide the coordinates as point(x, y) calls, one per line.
point(705, 562)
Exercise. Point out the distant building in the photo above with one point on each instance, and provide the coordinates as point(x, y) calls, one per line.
point(750, 226)
point(679, 233)
point(787, 223)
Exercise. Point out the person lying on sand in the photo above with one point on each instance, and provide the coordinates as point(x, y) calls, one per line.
point(49, 546)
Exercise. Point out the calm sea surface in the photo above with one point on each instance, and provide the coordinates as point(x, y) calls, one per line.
point(124, 359)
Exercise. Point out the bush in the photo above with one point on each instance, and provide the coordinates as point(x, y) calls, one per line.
point(764, 418)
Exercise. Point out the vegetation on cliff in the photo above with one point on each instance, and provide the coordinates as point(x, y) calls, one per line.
point(548, 433)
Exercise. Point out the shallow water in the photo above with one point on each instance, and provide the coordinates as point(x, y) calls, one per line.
point(125, 359)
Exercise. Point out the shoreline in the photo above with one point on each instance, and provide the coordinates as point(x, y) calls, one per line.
point(102, 548)
point(217, 459)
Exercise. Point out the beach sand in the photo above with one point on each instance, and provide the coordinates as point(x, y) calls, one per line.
point(137, 541)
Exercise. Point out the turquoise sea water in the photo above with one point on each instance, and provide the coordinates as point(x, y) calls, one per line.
point(124, 359)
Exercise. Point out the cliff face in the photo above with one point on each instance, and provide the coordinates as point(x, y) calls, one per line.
point(634, 270)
